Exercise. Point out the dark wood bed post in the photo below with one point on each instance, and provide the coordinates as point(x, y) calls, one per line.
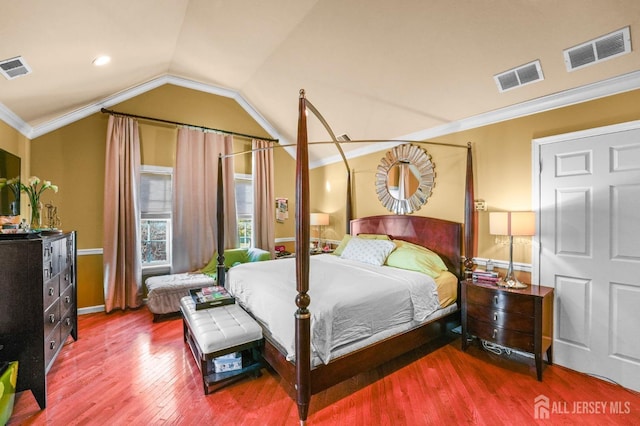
point(469, 218)
point(220, 225)
point(302, 316)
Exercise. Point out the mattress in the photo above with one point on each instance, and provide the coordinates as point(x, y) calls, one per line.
point(350, 301)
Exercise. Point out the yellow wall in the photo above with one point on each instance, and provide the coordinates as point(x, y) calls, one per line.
point(14, 142)
point(73, 158)
point(10, 139)
point(502, 155)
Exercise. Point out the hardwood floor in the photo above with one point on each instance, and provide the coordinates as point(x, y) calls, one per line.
point(127, 370)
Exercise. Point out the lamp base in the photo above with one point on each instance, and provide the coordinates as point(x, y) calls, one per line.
point(511, 283)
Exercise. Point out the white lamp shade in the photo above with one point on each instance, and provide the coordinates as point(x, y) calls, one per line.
point(512, 223)
point(319, 219)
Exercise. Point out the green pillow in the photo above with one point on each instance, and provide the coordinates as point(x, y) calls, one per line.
point(231, 258)
point(415, 258)
point(342, 245)
point(347, 237)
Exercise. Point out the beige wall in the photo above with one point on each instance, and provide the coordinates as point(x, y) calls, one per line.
point(73, 158)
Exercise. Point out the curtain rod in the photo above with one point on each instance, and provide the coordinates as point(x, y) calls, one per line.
point(177, 123)
point(249, 151)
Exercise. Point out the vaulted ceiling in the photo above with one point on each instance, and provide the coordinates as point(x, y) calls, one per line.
point(374, 68)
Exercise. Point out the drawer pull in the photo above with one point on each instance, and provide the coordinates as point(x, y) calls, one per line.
point(495, 333)
point(495, 316)
point(67, 322)
point(66, 277)
point(495, 299)
point(52, 344)
point(52, 318)
point(50, 291)
point(67, 300)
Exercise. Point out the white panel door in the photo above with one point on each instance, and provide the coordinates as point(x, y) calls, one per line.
point(589, 233)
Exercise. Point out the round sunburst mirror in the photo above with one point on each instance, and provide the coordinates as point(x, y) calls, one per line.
point(404, 179)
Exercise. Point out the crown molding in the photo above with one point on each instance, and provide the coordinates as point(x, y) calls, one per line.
point(566, 98)
point(601, 89)
point(14, 121)
point(33, 132)
point(66, 119)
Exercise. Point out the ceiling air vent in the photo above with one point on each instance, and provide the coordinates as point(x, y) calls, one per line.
point(14, 67)
point(606, 47)
point(520, 76)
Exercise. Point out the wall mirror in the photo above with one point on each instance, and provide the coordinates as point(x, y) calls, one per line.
point(404, 179)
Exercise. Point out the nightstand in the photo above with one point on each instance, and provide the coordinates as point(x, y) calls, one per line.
point(520, 319)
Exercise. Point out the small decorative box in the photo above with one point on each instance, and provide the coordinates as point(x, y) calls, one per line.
point(229, 362)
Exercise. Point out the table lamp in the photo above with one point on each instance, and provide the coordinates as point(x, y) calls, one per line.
point(319, 220)
point(512, 224)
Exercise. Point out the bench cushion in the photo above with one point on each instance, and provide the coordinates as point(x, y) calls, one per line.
point(219, 328)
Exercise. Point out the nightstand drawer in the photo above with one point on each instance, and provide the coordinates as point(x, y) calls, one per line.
point(500, 318)
point(500, 299)
point(501, 336)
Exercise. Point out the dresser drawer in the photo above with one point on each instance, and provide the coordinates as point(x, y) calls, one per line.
point(500, 299)
point(66, 299)
point(502, 336)
point(51, 318)
point(65, 279)
point(66, 325)
point(51, 291)
point(51, 344)
point(500, 318)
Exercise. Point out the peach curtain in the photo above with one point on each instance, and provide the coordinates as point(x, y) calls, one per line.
point(194, 206)
point(263, 196)
point(121, 246)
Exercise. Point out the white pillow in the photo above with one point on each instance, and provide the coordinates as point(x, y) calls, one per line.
point(374, 252)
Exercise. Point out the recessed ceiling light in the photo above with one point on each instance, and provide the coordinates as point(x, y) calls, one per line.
point(101, 60)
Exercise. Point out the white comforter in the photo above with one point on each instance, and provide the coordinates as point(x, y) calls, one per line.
point(350, 300)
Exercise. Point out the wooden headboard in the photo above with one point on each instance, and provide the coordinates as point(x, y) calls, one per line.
point(441, 236)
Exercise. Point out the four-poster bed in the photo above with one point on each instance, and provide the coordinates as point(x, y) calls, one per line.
point(305, 377)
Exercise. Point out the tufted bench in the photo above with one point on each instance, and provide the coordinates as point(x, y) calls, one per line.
point(214, 332)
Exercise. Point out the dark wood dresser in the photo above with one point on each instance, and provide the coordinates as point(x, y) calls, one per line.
point(518, 319)
point(38, 308)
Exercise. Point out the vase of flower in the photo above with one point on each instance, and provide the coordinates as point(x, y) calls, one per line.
point(34, 188)
point(36, 216)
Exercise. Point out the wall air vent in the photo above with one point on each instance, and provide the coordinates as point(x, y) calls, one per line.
point(14, 67)
point(606, 47)
point(525, 74)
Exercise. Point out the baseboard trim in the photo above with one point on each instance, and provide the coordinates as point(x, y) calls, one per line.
point(91, 310)
point(98, 308)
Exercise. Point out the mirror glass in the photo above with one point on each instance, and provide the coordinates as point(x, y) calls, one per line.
point(404, 179)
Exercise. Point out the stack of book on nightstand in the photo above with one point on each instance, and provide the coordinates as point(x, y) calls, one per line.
point(482, 276)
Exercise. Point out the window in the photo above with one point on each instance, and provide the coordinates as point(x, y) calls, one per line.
point(155, 215)
point(244, 208)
